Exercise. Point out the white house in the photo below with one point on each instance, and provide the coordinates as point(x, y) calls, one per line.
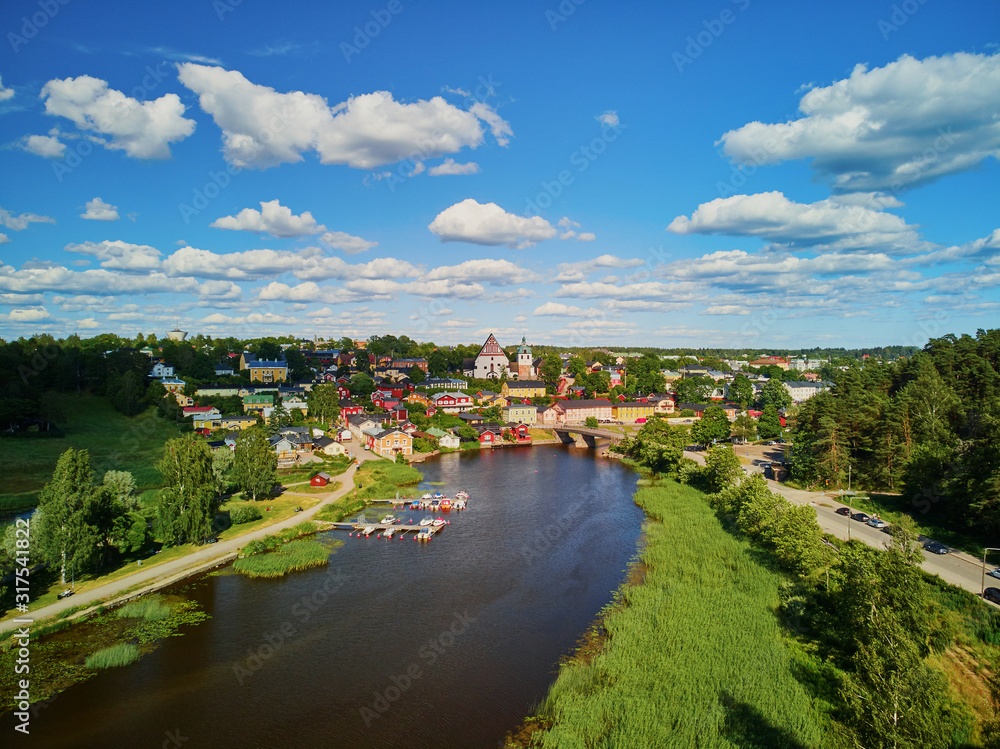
point(491, 362)
point(162, 369)
point(803, 390)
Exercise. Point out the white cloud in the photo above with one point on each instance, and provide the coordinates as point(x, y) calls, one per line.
point(48, 147)
point(449, 167)
point(642, 290)
point(4, 239)
point(557, 309)
point(26, 315)
point(578, 271)
point(5, 93)
point(497, 272)
point(98, 281)
point(144, 130)
point(118, 255)
point(830, 225)
point(609, 118)
point(262, 128)
point(98, 210)
point(20, 222)
point(489, 224)
point(345, 242)
point(890, 128)
point(237, 266)
point(586, 236)
point(272, 218)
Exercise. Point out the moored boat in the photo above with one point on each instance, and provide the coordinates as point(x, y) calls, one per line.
point(438, 522)
point(427, 520)
point(461, 494)
point(424, 535)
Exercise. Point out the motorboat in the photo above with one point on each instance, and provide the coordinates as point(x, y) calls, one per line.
point(424, 535)
point(427, 520)
point(437, 522)
point(435, 504)
point(427, 497)
point(368, 530)
point(387, 533)
point(445, 504)
point(458, 504)
point(461, 494)
point(388, 520)
point(415, 505)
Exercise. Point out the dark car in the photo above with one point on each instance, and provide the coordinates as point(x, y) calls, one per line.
point(843, 511)
point(860, 517)
point(992, 594)
point(888, 529)
point(936, 548)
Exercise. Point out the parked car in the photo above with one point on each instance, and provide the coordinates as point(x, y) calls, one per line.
point(936, 548)
point(845, 511)
point(68, 593)
point(860, 517)
point(992, 594)
point(994, 573)
point(888, 529)
point(877, 523)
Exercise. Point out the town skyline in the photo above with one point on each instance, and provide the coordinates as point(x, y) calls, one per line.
point(231, 172)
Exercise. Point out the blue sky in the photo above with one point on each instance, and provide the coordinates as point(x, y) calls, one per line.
point(692, 174)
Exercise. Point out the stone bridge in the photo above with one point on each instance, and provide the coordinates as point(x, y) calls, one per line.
point(582, 436)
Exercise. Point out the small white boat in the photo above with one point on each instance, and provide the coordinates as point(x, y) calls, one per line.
point(368, 530)
point(426, 497)
point(461, 494)
point(427, 520)
point(387, 533)
point(437, 522)
point(458, 504)
point(424, 535)
point(388, 519)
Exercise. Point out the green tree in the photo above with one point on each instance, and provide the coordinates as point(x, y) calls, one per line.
point(255, 466)
point(127, 392)
point(577, 367)
point(66, 537)
point(437, 364)
point(551, 369)
point(591, 422)
point(362, 385)
point(768, 425)
point(722, 468)
point(741, 391)
point(278, 420)
point(467, 434)
point(222, 465)
point(416, 375)
point(324, 403)
point(122, 485)
point(713, 426)
point(184, 505)
point(745, 428)
point(774, 393)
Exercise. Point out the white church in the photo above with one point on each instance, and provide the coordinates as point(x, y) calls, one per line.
point(492, 362)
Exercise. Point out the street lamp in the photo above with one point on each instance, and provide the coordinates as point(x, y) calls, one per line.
point(982, 586)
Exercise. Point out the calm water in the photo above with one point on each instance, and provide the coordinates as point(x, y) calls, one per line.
point(445, 644)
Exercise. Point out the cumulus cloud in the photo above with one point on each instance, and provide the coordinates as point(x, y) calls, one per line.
point(891, 128)
point(272, 218)
point(347, 243)
point(578, 271)
point(569, 228)
point(609, 118)
point(828, 225)
point(5, 93)
point(46, 146)
point(26, 315)
point(557, 309)
point(643, 290)
point(449, 167)
point(4, 239)
point(144, 130)
point(237, 266)
point(97, 281)
point(489, 224)
point(262, 128)
point(118, 255)
point(98, 210)
point(20, 222)
point(497, 272)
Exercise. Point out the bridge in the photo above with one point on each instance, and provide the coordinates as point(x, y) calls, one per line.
point(584, 436)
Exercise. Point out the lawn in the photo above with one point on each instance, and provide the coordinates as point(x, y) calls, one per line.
point(115, 442)
point(695, 655)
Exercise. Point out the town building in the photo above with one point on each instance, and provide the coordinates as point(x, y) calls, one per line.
point(803, 390)
point(162, 369)
point(578, 411)
point(491, 362)
point(632, 411)
point(527, 366)
point(389, 443)
point(520, 413)
point(523, 389)
point(256, 404)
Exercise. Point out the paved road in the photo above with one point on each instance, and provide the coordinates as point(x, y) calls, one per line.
point(177, 569)
point(957, 568)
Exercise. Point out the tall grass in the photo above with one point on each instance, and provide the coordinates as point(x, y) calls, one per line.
point(113, 657)
point(291, 557)
point(150, 608)
point(695, 654)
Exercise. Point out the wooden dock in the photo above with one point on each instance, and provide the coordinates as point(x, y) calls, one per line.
point(381, 528)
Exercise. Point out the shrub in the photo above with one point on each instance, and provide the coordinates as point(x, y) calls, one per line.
point(244, 514)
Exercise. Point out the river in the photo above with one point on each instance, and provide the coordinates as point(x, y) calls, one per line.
point(395, 643)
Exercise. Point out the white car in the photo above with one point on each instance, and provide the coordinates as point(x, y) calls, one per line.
point(877, 523)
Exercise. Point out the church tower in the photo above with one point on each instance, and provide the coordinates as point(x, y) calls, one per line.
point(524, 361)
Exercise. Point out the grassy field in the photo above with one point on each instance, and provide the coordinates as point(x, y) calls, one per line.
point(695, 655)
point(115, 442)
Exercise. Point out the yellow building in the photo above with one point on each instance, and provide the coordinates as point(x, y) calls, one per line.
point(631, 412)
point(523, 389)
point(268, 371)
point(520, 414)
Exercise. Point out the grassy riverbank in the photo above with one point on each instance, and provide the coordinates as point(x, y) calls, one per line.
point(695, 655)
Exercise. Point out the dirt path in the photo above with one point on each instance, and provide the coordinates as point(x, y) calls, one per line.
point(144, 581)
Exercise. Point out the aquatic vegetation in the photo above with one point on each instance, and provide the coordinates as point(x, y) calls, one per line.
point(290, 557)
point(149, 607)
point(113, 657)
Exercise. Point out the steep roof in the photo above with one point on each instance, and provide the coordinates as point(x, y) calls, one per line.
point(491, 348)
